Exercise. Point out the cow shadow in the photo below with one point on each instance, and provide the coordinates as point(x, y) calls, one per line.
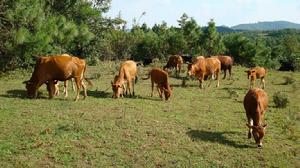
point(99, 94)
point(22, 94)
point(233, 88)
point(215, 137)
point(154, 98)
point(16, 93)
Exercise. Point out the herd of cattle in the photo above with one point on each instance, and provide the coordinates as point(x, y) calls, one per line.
point(50, 70)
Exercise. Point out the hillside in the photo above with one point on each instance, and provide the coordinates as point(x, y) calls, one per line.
point(275, 25)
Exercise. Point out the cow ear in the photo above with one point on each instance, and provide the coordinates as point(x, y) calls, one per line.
point(264, 126)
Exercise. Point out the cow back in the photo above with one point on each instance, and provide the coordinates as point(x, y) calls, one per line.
point(255, 104)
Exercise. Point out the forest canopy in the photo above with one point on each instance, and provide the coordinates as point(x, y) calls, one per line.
point(34, 28)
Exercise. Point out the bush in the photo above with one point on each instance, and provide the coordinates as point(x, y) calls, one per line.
point(280, 99)
point(288, 80)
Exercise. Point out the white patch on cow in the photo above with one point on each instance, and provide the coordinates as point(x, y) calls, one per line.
point(251, 122)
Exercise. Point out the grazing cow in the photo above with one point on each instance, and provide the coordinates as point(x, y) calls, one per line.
point(161, 78)
point(187, 59)
point(255, 104)
point(226, 64)
point(209, 67)
point(127, 73)
point(175, 61)
point(49, 70)
point(257, 72)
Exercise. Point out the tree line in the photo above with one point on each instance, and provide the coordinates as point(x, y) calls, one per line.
point(32, 28)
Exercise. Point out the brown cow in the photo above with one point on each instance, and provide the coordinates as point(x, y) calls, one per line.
point(209, 67)
point(161, 78)
point(257, 72)
point(226, 64)
point(55, 68)
point(255, 104)
point(127, 73)
point(175, 61)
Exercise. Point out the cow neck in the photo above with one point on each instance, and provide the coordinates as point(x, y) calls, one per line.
point(35, 79)
point(121, 75)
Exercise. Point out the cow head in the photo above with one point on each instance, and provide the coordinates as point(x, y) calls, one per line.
point(258, 133)
point(168, 93)
point(117, 89)
point(191, 70)
point(31, 89)
point(251, 74)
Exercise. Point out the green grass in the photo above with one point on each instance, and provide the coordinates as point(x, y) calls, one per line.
point(196, 128)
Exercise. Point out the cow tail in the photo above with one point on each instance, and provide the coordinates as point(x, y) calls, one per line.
point(86, 79)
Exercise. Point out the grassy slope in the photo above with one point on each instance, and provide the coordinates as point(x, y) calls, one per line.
point(196, 128)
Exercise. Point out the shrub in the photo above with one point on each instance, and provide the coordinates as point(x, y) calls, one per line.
point(280, 99)
point(288, 80)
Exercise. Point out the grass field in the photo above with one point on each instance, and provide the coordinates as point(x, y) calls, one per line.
point(195, 128)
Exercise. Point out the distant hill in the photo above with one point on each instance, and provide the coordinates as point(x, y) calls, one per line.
point(224, 29)
point(275, 25)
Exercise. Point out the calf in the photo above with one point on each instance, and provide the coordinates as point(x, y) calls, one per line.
point(255, 104)
point(127, 73)
point(257, 72)
point(161, 78)
point(209, 67)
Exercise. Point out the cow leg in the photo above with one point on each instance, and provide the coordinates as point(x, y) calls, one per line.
point(152, 86)
point(51, 90)
point(84, 88)
point(129, 87)
point(56, 92)
point(211, 78)
point(159, 90)
point(229, 70)
point(201, 78)
point(262, 82)
point(73, 85)
point(133, 81)
point(218, 78)
point(224, 74)
point(250, 122)
point(78, 86)
point(251, 83)
point(66, 89)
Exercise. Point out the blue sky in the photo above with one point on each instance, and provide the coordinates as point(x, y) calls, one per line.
point(224, 12)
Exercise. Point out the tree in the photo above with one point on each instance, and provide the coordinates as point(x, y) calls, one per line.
point(211, 40)
point(32, 28)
